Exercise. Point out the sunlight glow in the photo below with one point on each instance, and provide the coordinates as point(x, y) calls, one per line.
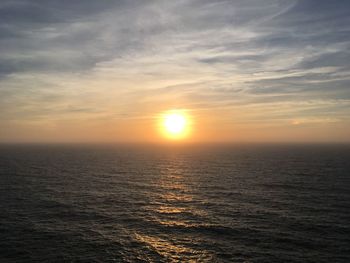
point(175, 125)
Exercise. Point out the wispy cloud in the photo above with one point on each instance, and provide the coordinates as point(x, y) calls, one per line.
point(97, 59)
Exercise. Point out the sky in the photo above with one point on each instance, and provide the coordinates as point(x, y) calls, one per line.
point(242, 71)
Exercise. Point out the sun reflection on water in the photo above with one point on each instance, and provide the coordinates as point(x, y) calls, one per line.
point(176, 215)
point(173, 252)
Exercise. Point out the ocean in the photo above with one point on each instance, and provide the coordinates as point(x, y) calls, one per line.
point(179, 203)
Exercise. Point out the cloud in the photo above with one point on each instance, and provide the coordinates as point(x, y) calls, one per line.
point(74, 57)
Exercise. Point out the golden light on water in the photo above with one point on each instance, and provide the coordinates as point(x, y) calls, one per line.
point(175, 124)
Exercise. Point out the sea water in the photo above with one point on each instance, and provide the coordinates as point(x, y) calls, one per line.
point(189, 203)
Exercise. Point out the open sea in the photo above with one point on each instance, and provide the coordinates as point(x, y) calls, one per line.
point(194, 203)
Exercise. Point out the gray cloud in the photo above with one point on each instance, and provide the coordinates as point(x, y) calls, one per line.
point(275, 50)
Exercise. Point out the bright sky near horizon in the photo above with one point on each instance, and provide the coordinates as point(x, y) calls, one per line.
point(108, 71)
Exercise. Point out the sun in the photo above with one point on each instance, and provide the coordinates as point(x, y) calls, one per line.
point(175, 125)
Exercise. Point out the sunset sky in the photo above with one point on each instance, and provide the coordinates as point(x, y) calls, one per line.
point(240, 71)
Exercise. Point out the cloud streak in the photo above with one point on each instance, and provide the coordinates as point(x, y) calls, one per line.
point(93, 60)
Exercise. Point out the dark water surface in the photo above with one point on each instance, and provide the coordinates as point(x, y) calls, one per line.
point(247, 203)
